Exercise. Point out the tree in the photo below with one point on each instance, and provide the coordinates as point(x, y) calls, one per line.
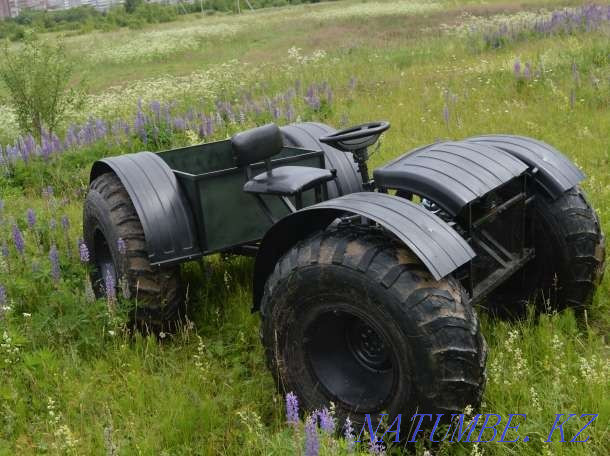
point(38, 78)
point(131, 5)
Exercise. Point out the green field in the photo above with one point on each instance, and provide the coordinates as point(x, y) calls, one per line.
point(74, 380)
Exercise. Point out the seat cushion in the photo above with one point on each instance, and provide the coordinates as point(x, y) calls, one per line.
point(288, 180)
point(257, 144)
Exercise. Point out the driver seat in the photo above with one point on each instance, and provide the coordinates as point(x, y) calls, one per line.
point(262, 143)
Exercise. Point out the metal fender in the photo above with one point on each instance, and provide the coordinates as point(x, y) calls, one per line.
point(440, 248)
point(163, 210)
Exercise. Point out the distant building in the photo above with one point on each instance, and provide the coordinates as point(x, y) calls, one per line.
point(5, 10)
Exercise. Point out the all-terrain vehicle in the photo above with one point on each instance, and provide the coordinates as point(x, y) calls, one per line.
point(366, 287)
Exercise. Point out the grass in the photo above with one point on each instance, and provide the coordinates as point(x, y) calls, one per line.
point(79, 383)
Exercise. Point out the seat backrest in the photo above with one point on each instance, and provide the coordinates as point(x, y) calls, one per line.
point(257, 144)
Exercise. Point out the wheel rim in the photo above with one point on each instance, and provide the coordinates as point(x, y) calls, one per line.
point(351, 358)
point(104, 264)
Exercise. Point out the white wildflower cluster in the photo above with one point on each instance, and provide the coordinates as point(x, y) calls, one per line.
point(147, 45)
point(295, 55)
point(9, 352)
point(470, 23)
point(535, 399)
point(594, 370)
point(374, 9)
point(509, 366)
point(63, 438)
point(558, 366)
point(200, 357)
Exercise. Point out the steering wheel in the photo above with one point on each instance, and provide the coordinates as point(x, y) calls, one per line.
point(356, 138)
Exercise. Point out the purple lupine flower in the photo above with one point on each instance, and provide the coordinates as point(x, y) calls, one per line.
point(18, 240)
point(292, 409)
point(446, 114)
point(31, 216)
point(377, 448)
point(110, 284)
point(65, 223)
point(312, 444)
point(5, 252)
point(527, 71)
point(52, 224)
point(352, 83)
point(348, 434)
point(54, 258)
point(327, 422)
point(84, 252)
point(517, 68)
point(2, 296)
point(121, 246)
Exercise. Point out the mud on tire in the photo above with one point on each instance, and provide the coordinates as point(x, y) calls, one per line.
point(356, 319)
point(109, 215)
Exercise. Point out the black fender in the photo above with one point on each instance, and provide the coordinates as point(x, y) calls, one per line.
point(452, 174)
point(306, 135)
point(555, 172)
point(440, 248)
point(162, 208)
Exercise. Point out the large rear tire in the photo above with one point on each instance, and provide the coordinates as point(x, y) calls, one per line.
point(356, 319)
point(109, 215)
point(570, 256)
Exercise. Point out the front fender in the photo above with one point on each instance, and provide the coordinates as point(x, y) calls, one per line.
point(440, 248)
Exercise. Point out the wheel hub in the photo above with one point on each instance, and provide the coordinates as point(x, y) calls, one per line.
point(367, 347)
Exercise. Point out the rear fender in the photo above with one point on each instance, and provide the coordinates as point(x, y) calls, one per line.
point(161, 206)
point(556, 173)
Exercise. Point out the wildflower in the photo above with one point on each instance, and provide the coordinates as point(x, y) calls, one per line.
point(111, 332)
point(52, 224)
point(535, 400)
point(89, 293)
point(65, 223)
point(5, 251)
point(31, 216)
point(121, 246)
point(348, 433)
point(377, 448)
point(162, 335)
point(292, 409)
point(110, 284)
point(446, 115)
point(327, 423)
point(54, 258)
point(2, 295)
point(527, 72)
point(517, 68)
point(18, 240)
point(27, 315)
point(312, 444)
point(84, 252)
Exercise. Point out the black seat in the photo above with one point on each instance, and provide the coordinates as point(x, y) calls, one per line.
point(262, 143)
point(288, 180)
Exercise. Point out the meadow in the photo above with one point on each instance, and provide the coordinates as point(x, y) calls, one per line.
point(76, 380)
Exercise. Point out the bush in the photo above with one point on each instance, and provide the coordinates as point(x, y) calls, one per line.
point(37, 76)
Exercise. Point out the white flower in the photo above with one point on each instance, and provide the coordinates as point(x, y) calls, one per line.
point(111, 332)
point(27, 315)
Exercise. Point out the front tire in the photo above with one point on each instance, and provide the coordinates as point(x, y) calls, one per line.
point(109, 215)
point(356, 319)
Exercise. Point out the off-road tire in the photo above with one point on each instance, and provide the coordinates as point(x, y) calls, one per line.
point(156, 291)
point(438, 353)
point(570, 256)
